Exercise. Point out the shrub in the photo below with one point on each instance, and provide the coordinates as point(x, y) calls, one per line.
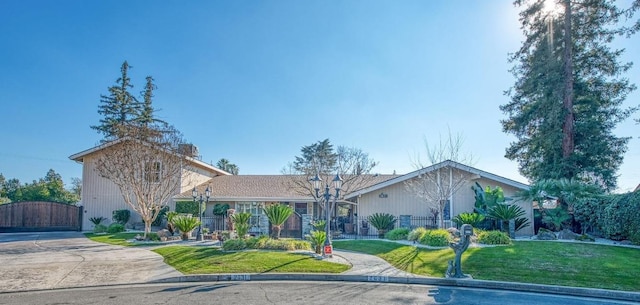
point(161, 215)
point(234, 244)
point(616, 216)
point(436, 238)
point(185, 223)
point(188, 207)
point(417, 234)
point(319, 225)
point(585, 237)
point(121, 216)
point(382, 222)
point(317, 238)
point(286, 244)
point(256, 242)
point(220, 209)
point(472, 219)
point(397, 234)
point(97, 220)
point(494, 238)
point(99, 228)
point(506, 212)
point(115, 228)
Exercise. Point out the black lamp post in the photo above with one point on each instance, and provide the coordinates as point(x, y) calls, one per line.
point(337, 185)
point(194, 193)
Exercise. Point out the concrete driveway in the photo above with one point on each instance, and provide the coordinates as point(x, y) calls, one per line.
point(47, 260)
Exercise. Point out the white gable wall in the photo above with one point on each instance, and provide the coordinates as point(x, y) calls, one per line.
point(400, 201)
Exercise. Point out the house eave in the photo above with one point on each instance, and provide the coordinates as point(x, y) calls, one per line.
point(477, 172)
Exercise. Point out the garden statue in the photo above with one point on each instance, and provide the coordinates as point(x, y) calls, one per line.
point(230, 225)
point(454, 269)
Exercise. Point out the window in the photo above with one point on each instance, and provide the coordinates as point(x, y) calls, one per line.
point(447, 209)
point(255, 208)
point(152, 171)
point(301, 208)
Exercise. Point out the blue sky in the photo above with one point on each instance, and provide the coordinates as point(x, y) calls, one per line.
point(254, 81)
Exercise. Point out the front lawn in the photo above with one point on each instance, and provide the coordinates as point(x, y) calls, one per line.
point(553, 263)
point(207, 260)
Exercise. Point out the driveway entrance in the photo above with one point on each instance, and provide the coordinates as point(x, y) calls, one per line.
point(48, 260)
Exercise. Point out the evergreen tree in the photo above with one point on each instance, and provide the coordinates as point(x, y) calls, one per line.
point(117, 108)
point(227, 166)
point(569, 91)
point(145, 111)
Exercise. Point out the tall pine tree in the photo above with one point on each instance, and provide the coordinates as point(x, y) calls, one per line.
point(569, 91)
point(117, 108)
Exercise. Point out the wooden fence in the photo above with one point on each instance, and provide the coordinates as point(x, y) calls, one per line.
point(40, 216)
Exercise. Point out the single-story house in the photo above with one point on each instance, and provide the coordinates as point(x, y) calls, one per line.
point(249, 193)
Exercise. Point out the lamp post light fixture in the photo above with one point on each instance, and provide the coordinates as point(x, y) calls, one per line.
point(207, 194)
point(337, 185)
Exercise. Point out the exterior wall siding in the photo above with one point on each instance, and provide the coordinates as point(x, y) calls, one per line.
point(100, 197)
point(397, 200)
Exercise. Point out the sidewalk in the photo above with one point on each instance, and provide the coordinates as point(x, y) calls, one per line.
point(365, 264)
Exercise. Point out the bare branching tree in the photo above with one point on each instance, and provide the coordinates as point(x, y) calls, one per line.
point(147, 166)
point(438, 180)
point(353, 165)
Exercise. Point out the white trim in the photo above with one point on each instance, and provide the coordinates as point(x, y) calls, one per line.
point(433, 167)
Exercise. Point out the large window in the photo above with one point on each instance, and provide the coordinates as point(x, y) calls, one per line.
point(255, 208)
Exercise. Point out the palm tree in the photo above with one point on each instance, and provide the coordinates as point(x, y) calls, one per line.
point(241, 222)
point(277, 215)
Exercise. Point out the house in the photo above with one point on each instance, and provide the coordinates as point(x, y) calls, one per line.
point(381, 194)
point(392, 196)
point(100, 196)
point(249, 193)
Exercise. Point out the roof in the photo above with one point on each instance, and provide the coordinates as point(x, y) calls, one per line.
point(260, 187)
point(433, 167)
point(79, 157)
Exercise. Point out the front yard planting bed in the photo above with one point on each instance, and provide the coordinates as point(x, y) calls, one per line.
point(121, 239)
point(207, 260)
point(539, 262)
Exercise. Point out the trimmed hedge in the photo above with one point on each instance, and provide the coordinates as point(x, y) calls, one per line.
point(615, 216)
point(188, 207)
point(266, 243)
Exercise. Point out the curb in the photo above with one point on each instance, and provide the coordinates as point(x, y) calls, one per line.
point(465, 283)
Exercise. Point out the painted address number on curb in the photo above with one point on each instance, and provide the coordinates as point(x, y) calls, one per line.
point(377, 278)
point(240, 277)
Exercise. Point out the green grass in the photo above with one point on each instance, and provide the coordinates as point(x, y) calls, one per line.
point(119, 239)
point(206, 260)
point(553, 263)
